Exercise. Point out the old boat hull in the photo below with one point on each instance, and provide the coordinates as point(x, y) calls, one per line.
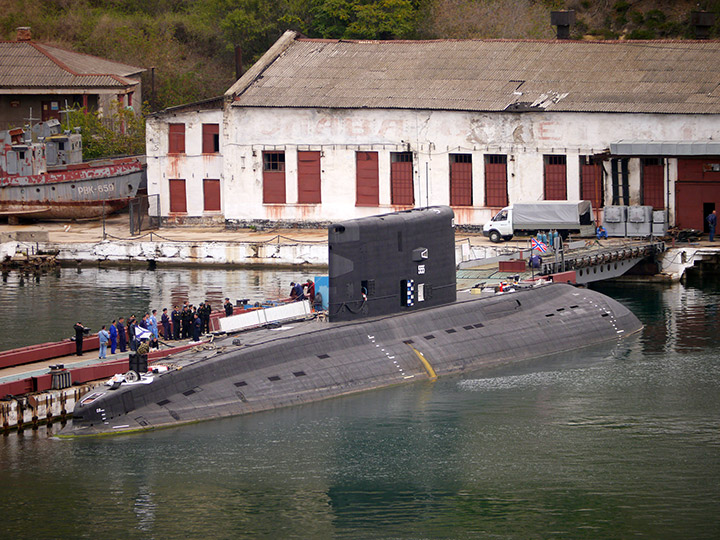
point(73, 192)
point(313, 360)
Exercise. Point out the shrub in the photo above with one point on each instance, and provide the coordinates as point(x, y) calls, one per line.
point(120, 133)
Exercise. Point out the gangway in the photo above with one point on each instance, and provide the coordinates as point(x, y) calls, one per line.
point(595, 262)
point(580, 262)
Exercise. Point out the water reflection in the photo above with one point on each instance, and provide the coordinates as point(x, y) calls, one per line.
point(612, 441)
point(45, 309)
point(682, 318)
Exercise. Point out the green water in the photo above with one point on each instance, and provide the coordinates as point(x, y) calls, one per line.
point(45, 308)
point(611, 442)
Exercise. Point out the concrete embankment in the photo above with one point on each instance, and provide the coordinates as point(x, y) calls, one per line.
point(92, 243)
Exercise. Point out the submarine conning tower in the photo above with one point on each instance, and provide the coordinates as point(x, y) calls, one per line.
point(391, 263)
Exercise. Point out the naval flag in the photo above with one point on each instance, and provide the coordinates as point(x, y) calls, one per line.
point(540, 246)
point(142, 333)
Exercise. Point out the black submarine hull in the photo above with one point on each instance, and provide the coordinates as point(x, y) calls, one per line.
point(314, 360)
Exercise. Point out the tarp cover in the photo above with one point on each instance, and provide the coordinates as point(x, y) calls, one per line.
point(551, 213)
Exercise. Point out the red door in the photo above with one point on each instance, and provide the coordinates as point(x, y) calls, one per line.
point(401, 179)
point(496, 181)
point(178, 199)
point(50, 110)
point(367, 179)
point(555, 178)
point(274, 177)
point(696, 191)
point(653, 181)
point(591, 181)
point(460, 180)
point(211, 195)
point(309, 177)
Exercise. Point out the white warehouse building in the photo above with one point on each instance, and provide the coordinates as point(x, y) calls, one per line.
point(324, 130)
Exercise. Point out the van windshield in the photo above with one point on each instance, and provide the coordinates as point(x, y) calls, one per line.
point(501, 215)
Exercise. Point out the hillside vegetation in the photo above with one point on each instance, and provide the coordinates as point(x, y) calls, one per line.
point(191, 43)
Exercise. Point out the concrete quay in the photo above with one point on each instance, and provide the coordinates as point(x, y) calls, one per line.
point(92, 242)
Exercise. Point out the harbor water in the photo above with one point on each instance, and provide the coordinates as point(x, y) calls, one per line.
point(616, 441)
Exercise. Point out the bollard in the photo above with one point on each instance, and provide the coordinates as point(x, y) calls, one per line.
point(61, 377)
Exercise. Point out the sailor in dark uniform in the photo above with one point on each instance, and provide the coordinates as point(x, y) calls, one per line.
point(186, 318)
point(228, 307)
point(79, 332)
point(205, 316)
point(165, 320)
point(201, 314)
point(197, 325)
point(176, 323)
point(122, 335)
point(132, 324)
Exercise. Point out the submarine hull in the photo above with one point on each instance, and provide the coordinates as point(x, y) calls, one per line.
point(312, 360)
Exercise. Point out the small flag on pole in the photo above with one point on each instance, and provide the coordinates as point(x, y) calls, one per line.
point(540, 246)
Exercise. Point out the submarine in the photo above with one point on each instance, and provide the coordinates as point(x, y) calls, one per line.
point(395, 316)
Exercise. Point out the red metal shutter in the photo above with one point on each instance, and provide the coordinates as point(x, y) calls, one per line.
point(591, 186)
point(176, 144)
point(210, 138)
point(697, 191)
point(496, 181)
point(401, 179)
point(555, 178)
point(274, 177)
point(653, 179)
point(178, 199)
point(460, 180)
point(367, 179)
point(309, 177)
point(211, 195)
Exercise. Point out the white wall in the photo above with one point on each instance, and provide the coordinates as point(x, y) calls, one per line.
point(193, 166)
point(524, 137)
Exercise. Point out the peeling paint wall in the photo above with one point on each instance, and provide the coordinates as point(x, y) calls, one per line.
point(193, 166)
point(525, 138)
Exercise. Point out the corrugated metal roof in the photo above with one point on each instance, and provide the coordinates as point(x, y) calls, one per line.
point(25, 64)
point(680, 77)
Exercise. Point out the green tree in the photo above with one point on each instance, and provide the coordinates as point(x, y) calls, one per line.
point(364, 19)
point(121, 133)
point(254, 25)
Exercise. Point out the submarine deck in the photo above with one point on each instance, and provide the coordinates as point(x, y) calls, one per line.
point(312, 360)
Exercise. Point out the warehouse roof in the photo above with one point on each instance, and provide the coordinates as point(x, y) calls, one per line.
point(681, 77)
point(27, 64)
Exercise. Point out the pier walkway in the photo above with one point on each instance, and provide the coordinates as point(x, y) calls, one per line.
point(581, 262)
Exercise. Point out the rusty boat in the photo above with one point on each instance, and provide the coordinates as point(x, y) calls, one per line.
point(46, 178)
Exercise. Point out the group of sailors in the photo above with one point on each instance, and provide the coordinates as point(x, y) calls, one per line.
point(305, 291)
point(188, 322)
